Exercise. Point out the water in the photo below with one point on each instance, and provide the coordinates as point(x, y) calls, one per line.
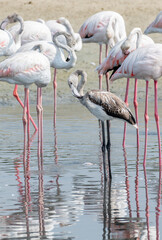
point(68, 199)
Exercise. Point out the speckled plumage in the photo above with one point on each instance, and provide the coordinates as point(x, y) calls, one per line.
point(102, 104)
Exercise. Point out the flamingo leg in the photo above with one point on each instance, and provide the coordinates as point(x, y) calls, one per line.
point(103, 150)
point(39, 121)
point(157, 121)
point(108, 122)
point(55, 96)
point(126, 101)
point(136, 109)
point(146, 123)
point(28, 116)
point(15, 94)
point(107, 74)
point(24, 119)
point(100, 60)
point(108, 148)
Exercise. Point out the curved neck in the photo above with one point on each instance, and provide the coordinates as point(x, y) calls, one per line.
point(72, 56)
point(138, 32)
point(82, 81)
point(113, 29)
point(67, 24)
point(12, 19)
point(77, 88)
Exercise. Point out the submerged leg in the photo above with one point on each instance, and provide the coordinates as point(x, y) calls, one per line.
point(103, 150)
point(146, 123)
point(157, 121)
point(108, 148)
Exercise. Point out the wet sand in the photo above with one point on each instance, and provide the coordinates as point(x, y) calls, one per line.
point(135, 13)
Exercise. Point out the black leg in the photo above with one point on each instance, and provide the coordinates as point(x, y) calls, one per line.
point(103, 150)
point(108, 147)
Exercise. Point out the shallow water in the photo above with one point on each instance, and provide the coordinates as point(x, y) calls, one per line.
point(68, 198)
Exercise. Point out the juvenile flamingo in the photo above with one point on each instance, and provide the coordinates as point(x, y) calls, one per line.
point(26, 68)
point(117, 55)
point(102, 104)
point(155, 26)
point(144, 63)
point(106, 27)
point(54, 52)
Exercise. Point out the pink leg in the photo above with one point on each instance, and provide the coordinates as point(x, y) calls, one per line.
point(136, 109)
point(28, 116)
point(39, 122)
point(24, 125)
point(126, 101)
point(146, 123)
point(107, 74)
point(15, 94)
point(157, 120)
point(100, 60)
point(55, 96)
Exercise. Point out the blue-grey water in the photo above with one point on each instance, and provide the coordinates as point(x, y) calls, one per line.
point(68, 198)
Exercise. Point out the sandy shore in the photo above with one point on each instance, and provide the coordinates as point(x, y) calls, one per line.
point(135, 13)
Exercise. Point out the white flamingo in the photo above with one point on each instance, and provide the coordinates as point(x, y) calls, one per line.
point(53, 51)
point(63, 25)
point(144, 63)
point(117, 55)
point(26, 68)
point(106, 27)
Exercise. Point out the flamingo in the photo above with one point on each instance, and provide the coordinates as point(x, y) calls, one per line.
point(53, 51)
point(117, 55)
point(103, 105)
point(23, 32)
point(63, 25)
point(33, 30)
point(155, 26)
point(26, 68)
point(106, 27)
point(8, 45)
point(144, 63)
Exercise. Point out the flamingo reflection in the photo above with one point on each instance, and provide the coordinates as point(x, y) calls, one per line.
point(120, 226)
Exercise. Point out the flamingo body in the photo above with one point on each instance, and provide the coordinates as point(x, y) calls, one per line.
point(33, 31)
point(54, 53)
point(26, 68)
point(122, 49)
point(143, 63)
point(97, 28)
point(7, 44)
point(102, 104)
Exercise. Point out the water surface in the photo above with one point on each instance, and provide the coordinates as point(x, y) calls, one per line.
point(68, 199)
